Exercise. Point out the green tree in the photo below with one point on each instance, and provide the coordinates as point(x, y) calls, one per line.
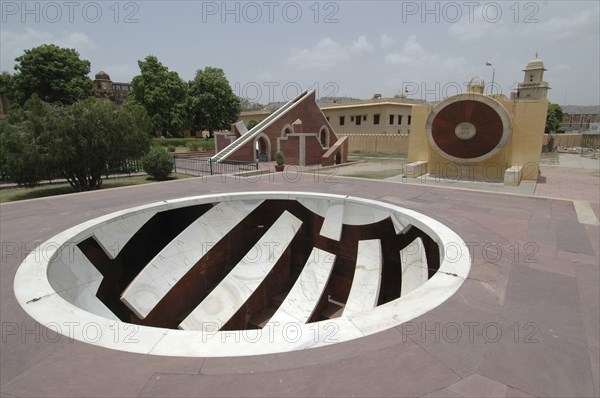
point(163, 94)
point(55, 74)
point(158, 163)
point(212, 103)
point(5, 83)
point(247, 105)
point(251, 124)
point(554, 118)
point(24, 157)
point(86, 137)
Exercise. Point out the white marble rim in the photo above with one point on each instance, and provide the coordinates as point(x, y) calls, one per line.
point(37, 297)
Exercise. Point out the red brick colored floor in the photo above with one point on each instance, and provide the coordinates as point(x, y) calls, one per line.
point(525, 322)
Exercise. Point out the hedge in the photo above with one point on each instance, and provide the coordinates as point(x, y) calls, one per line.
point(203, 145)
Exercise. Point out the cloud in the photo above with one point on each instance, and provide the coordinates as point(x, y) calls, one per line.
point(361, 44)
point(327, 53)
point(469, 30)
point(266, 76)
point(414, 55)
point(120, 72)
point(427, 70)
point(385, 41)
point(580, 26)
point(15, 43)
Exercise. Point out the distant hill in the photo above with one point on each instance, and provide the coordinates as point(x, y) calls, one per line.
point(323, 100)
point(581, 108)
point(336, 100)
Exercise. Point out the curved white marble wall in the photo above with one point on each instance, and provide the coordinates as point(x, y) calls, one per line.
point(61, 291)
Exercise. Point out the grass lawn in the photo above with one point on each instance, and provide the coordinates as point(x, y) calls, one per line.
point(14, 194)
point(376, 175)
point(377, 156)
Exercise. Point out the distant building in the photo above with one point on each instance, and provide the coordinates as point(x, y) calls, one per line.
point(579, 122)
point(298, 129)
point(479, 137)
point(533, 87)
point(3, 105)
point(375, 116)
point(114, 91)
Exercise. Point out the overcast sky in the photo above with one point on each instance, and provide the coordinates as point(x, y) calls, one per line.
point(270, 50)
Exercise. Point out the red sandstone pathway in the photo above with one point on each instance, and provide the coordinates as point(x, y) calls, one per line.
point(560, 183)
point(528, 315)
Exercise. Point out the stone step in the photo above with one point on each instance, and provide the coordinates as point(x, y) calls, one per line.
point(332, 310)
point(261, 319)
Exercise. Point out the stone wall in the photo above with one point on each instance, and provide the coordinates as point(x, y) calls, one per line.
point(381, 143)
point(282, 134)
point(574, 140)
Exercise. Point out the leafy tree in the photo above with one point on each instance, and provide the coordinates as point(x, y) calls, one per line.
point(90, 135)
point(55, 74)
point(212, 103)
point(251, 124)
point(77, 142)
point(554, 118)
point(247, 105)
point(5, 83)
point(23, 156)
point(158, 163)
point(162, 93)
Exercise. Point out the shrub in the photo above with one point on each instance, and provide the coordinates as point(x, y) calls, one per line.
point(279, 158)
point(171, 148)
point(204, 144)
point(158, 163)
point(208, 145)
point(166, 142)
point(193, 145)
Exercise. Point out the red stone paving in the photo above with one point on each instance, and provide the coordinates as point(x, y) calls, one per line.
point(528, 316)
point(562, 184)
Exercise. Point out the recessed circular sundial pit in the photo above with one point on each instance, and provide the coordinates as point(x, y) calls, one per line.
point(241, 274)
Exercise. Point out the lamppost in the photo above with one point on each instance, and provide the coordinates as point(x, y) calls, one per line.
point(493, 75)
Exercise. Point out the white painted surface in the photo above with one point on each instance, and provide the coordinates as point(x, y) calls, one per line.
point(585, 213)
point(237, 287)
point(364, 291)
point(299, 305)
point(77, 280)
point(41, 301)
point(113, 236)
point(316, 205)
point(414, 266)
point(333, 223)
point(178, 257)
point(357, 213)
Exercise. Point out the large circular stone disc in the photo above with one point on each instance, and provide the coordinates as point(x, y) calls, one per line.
point(468, 128)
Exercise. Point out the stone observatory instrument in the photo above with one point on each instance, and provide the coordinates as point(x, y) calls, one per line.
point(468, 127)
point(243, 273)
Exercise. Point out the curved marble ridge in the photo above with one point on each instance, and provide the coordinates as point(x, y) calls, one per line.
point(61, 289)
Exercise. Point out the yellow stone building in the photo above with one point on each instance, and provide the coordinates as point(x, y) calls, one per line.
point(472, 135)
point(475, 136)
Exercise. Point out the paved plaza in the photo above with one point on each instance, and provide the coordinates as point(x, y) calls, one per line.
point(524, 323)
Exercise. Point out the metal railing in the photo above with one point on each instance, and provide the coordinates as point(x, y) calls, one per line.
point(207, 166)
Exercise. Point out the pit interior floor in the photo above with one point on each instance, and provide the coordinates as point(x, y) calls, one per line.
point(524, 323)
